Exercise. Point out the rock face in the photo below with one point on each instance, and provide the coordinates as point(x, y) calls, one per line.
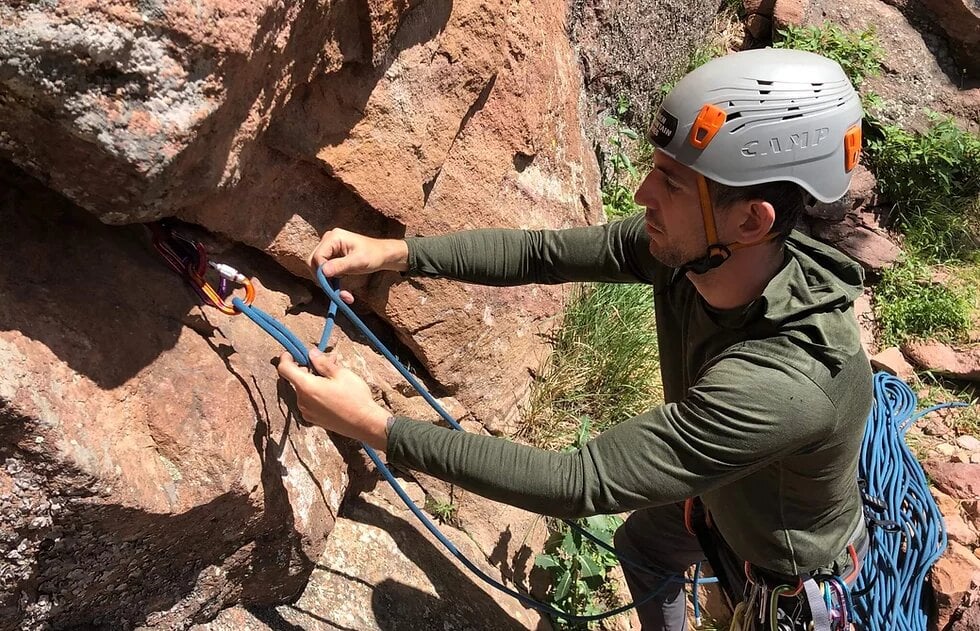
point(631, 50)
point(918, 70)
point(382, 570)
point(271, 122)
point(960, 19)
point(151, 471)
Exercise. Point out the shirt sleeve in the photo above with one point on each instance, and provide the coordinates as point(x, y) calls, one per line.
point(614, 252)
point(743, 414)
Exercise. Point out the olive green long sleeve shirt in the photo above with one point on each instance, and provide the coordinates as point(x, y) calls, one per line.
point(765, 404)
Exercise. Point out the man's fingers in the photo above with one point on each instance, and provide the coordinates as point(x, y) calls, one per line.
point(346, 296)
point(290, 370)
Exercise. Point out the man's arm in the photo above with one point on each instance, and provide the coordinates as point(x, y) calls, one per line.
point(727, 427)
point(614, 252)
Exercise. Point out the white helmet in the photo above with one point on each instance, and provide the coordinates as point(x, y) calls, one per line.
point(765, 115)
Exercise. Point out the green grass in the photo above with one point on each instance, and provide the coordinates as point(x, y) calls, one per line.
point(933, 180)
point(909, 304)
point(604, 367)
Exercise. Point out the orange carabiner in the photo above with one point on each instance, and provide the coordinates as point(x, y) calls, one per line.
point(216, 300)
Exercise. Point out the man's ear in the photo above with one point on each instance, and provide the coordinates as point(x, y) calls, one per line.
point(754, 220)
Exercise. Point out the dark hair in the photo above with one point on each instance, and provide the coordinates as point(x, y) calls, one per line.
point(787, 198)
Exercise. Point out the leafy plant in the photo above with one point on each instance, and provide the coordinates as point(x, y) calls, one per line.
point(578, 566)
point(933, 180)
point(857, 53)
point(909, 304)
point(604, 365)
point(622, 175)
point(443, 511)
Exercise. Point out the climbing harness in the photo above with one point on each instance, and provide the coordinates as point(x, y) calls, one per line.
point(906, 532)
point(906, 535)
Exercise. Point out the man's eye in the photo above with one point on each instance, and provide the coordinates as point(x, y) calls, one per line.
point(673, 188)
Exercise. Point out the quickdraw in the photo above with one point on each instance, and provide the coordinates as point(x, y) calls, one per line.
point(812, 603)
point(190, 260)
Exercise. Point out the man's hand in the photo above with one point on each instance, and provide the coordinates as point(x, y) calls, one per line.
point(342, 253)
point(336, 399)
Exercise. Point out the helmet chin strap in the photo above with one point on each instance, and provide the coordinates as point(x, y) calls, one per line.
point(717, 253)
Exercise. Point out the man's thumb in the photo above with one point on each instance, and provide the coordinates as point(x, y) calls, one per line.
point(333, 268)
point(325, 365)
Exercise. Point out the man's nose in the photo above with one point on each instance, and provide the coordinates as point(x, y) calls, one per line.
point(644, 192)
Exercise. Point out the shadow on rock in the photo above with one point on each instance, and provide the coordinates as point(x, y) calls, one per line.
point(94, 295)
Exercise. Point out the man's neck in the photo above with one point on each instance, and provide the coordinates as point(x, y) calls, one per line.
point(742, 278)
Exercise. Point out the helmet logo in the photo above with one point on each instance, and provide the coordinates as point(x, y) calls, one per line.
point(785, 144)
point(663, 128)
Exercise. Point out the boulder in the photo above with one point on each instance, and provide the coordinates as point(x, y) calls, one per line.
point(959, 480)
point(957, 527)
point(955, 578)
point(960, 20)
point(859, 236)
point(893, 362)
point(861, 194)
point(273, 122)
point(790, 13)
point(944, 359)
point(152, 466)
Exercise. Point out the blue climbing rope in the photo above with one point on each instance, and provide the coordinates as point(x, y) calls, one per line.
point(907, 531)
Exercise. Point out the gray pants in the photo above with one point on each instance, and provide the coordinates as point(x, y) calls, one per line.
point(657, 538)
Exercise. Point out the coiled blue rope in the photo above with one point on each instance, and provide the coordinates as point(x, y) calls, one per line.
point(907, 531)
point(297, 349)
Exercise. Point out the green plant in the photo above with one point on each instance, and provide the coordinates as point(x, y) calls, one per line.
point(444, 511)
point(909, 304)
point(622, 176)
point(933, 181)
point(578, 566)
point(604, 365)
point(857, 53)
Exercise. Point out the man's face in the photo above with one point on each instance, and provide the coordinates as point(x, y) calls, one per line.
point(669, 193)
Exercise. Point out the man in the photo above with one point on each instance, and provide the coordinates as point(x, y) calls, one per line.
point(767, 387)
